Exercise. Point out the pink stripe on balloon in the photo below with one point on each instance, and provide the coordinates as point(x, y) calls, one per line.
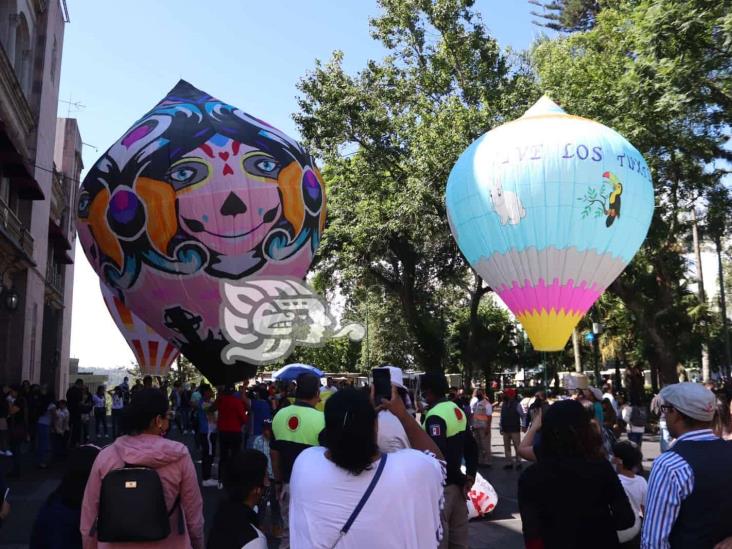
point(567, 297)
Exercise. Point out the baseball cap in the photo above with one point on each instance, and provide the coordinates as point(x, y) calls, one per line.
point(510, 392)
point(691, 399)
point(396, 375)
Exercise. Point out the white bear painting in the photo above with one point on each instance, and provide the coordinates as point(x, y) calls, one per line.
point(507, 205)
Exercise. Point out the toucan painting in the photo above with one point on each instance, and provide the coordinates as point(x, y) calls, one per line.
point(613, 209)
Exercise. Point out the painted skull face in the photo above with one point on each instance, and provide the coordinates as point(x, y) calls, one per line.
point(228, 219)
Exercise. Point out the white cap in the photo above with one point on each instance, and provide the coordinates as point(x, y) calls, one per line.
point(396, 375)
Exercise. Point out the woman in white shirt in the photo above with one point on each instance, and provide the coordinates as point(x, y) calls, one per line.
point(118, 404)
point(327, 483)
point(100, 411)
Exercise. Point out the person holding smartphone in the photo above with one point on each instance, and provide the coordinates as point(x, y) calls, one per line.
point(391, 435)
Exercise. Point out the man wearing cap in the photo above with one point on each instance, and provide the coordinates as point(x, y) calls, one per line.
point(690, 489)
point(391, 435)
point(509, 426)
point(294, 428)
point(447, 425)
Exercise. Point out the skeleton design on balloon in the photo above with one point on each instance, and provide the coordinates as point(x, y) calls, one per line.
point(197, 193)
point(535, 206)
point(154, 353)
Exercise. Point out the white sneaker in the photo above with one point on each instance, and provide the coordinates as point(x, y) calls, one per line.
point(210, 483)
point(221, 486)
point(8, 453)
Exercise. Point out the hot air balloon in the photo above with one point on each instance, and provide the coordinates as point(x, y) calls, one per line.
point(549, 209)
point(195, 196)
point(153, 353)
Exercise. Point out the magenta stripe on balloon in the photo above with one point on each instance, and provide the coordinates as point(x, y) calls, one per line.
point(567, 297)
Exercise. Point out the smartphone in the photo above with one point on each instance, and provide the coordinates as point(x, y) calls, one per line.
point(382, 384)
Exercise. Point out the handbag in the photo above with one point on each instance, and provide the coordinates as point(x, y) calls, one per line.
point(364, 499)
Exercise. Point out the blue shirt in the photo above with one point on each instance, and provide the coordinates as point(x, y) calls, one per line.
point(260, 411)
point(671, 482)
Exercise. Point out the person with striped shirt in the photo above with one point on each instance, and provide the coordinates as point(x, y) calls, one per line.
point(689, 501)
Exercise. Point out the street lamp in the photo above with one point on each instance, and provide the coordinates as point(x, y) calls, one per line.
point(11, 299)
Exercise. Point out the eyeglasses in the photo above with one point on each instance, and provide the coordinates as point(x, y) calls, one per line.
point(666, 408)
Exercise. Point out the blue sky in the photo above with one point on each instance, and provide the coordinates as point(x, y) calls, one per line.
point(120, 59)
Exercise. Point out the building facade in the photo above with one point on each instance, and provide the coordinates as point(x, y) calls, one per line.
point(37, 190)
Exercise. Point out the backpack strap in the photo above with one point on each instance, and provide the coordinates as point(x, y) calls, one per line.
point(364, 499)
point(181, 524)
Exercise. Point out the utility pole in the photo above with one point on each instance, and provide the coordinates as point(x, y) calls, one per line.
point(700, 288)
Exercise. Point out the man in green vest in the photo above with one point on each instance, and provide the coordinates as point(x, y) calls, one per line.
point(447, 425)
point(294, 428)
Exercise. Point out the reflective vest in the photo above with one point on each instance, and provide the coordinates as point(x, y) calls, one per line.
point(451, 414)
point(300, 424)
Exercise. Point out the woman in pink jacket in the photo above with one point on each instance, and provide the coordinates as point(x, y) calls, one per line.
point(146, 419)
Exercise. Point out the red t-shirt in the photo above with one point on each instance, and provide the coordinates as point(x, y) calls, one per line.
point(232, 414)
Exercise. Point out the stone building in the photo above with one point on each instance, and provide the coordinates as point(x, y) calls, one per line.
point(40, 163)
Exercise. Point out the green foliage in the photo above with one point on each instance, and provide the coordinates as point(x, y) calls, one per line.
point(389, 136)
point(499, 342)
point(566, 15)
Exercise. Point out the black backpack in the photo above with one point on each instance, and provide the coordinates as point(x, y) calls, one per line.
point(132, 507)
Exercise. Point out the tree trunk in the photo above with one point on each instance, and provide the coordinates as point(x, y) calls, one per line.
point(723, 306)
point(474, 360)
point(662, 357)
point(577, 351)
point(700, 287)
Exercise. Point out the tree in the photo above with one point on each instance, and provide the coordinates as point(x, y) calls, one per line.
point(566, 15)
point(496, 345)
point(388, 137)
point(719, 212)
point(659, 72)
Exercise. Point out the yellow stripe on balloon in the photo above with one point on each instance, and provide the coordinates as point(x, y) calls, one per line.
point(549, 331)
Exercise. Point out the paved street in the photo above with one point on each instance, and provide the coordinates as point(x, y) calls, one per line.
point(502, 529)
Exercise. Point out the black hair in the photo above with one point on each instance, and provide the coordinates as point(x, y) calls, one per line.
point(566, 432)
point(434, 382)
point(629, 453)
point(244, 472)
point(350, 433)
point(308, 386)
point(146, 405)
point(78, 466)
point(147, 379)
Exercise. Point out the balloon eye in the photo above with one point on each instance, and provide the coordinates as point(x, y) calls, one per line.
point(267, 165)
point(84, 204)
point(262, 165)
point(182, 175)
point(186, 173)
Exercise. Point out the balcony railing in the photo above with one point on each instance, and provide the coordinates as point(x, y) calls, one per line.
point(14, 229)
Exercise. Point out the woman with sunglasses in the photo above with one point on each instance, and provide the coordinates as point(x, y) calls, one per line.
point(146, 421)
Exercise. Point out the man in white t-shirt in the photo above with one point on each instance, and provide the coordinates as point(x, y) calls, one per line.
point(391, 435)
point(481, 419)
point(327, 483)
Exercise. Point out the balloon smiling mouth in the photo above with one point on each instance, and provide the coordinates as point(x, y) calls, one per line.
point(197, 227)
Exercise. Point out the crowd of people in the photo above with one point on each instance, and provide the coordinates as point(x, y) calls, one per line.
point(308, 465)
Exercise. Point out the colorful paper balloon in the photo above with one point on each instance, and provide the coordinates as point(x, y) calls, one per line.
point(549, 209)
point(196, 194)
point(153, 353)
